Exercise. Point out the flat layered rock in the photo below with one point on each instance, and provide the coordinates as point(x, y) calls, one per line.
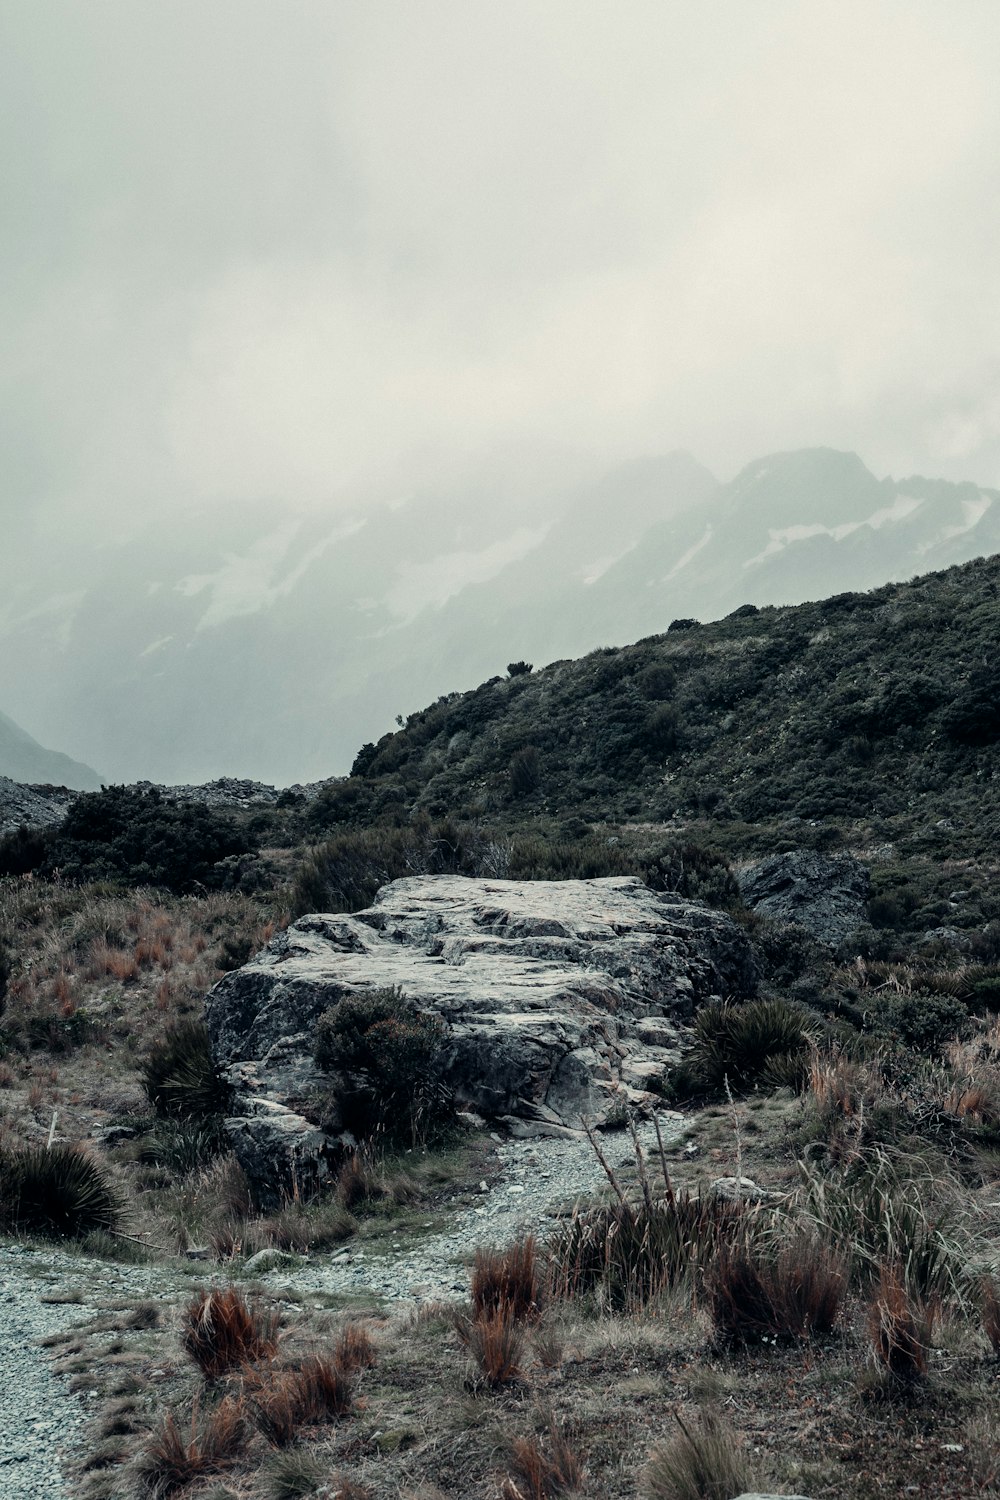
point(561, 999)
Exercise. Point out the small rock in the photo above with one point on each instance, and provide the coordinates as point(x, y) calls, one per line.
point(197, 1252)
point(268, 1259)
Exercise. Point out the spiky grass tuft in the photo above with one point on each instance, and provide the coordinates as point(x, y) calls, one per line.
point(173, 1458)
point(705, 1461)
point(508, 1282)
point(60, 1192)
point(222, 1331)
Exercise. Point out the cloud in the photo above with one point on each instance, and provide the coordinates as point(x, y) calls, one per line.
point(324, 253)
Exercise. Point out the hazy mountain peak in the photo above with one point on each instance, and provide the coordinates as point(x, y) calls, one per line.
point(23, 759)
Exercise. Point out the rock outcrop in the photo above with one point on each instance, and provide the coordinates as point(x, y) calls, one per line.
point(560, 999)
point(826, 894)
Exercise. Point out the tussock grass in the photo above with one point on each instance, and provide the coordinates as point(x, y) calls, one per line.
point(496, 1344)
point(900, 1328)
point(222, 1331)
point(508, 1282)
point(173, 1458)
point(887, 1208)
point(704, 1461)
point(756, 1294)
point(540, 1470)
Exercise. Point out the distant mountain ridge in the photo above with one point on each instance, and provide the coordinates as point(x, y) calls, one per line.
point(270, 646)
point(24, 760)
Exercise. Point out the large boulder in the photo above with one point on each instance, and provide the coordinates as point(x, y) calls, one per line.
point(823, 893)
point(560, 999)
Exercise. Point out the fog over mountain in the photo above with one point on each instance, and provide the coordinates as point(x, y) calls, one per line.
point(350, 350)
point(273, 647)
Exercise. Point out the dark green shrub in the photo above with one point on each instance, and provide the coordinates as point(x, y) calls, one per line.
point(180, 1077)
point(519, 668)
point(661, 732)
point(923, 1022)
point(24, 850)
point(738, 1042)
point(133, 834)
point(389, 1054)
point(656, 682)
point(6, 971)
point(525, 771)
point(59, 1192)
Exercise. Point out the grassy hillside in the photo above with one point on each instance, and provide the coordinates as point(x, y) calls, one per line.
point(877, 707)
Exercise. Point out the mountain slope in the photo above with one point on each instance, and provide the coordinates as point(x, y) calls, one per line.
point(867, 707)
point(23, 759)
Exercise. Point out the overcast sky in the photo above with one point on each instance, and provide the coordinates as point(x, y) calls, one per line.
point(321, 252)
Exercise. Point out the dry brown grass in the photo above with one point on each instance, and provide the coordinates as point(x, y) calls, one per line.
point(172, 1458)
point(355, 1349)
point(496, 1343)
point(991, 1313)
point(508, 1282)
point(756, 1294)
point(705, 1461)
point(900, 1329)
point(540, 1471)
point(277, 1409)
point(222, 1331)
point(324, 1388)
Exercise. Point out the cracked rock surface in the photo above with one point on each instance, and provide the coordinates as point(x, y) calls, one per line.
point(560, 999)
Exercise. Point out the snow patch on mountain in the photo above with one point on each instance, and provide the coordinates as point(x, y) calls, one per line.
point(784, 536)
point(429, 585)
point(252, 581)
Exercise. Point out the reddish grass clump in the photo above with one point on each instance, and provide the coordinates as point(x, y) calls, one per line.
point(324, 1389)
point(277, 1409)
point(538, 1473)
point(356, 1349)
point(507, 1282)
point(172, 1459)
point(755, 1295)
point(222, 1331)
point(900, 1329)
point(496, 1343)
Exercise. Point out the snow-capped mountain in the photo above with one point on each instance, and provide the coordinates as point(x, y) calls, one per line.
point(273, 646)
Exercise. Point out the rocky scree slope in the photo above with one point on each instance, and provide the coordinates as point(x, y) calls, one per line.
point(559, 999)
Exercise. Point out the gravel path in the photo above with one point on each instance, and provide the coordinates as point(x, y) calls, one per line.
point(537, 1180)
point(40, 1418)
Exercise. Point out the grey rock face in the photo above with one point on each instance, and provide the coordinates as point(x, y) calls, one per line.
point(826, 894)
point(560, 998)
